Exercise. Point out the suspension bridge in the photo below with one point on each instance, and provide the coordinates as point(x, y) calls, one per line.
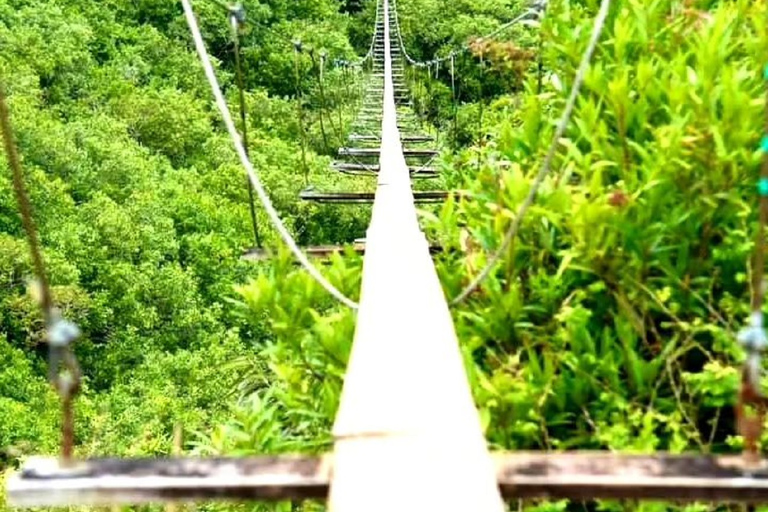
point(407, 435)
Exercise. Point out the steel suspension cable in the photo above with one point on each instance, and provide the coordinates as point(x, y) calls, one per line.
point(373, 37)
point(252, 174)
point(534, 11)
point(597, 30)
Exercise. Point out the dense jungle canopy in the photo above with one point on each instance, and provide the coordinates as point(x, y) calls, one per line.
point(610, 324)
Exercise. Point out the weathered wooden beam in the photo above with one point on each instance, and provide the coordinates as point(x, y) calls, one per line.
point(398, 70)
point(113, 481)
point(319, 252)
point(419, 196)
point(403, 138)
point(374, 152)
point(576, 475)
point(394, 75)
point(600, 475)
point(373, 92)
point(372, 169)
point(315, 251)
point(378, 91)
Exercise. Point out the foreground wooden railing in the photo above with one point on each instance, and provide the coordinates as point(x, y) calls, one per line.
point(579, 476)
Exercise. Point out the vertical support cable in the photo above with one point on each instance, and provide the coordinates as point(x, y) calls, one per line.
point(322, 98)
point(481, 109)
point(300, 110)
point(63, 369)
point(235, 24)
point(437, 105)
point(454, 103)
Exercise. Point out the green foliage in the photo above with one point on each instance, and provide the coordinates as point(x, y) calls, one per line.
point(609, 325)
point(27, 404)
point(142, 209)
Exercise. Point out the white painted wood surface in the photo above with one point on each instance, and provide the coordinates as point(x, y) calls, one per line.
point(407, 433)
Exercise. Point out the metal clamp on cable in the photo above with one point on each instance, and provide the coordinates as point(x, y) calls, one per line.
point(61, 334)
point(237, 13)
point(64, 373)
point(754, 341)
point(537, 8)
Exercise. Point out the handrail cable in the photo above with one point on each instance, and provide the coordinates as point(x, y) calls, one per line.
point(534, 11)
point(373, 37)
point(545, 167)
point(252, 174)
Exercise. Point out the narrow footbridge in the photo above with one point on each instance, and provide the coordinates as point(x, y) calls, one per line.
point(407, 436)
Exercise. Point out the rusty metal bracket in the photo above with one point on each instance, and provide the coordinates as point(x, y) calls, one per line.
point(750, 424)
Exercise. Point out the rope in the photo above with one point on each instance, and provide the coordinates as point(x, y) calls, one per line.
point(25, 209)
point(533, 12)
point(63, 369)
point(222, 106)
point(512, 232)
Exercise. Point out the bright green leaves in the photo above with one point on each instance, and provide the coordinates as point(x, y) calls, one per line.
point(301, 364)
point(627, 276)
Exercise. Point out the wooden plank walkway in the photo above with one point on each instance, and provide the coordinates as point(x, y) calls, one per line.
point(406, 414)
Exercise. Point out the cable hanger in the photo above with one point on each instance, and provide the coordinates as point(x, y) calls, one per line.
point(63, 368)
point(236, 16)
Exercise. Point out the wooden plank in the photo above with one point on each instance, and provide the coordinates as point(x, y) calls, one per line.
point(374, 152)
point(394, 75)
point(595, 475)
point(319, 251)
point(113, 481)
point(403, 138)
point(420, 196)
point(315, 251)
point(374, 168)
point(521, 475)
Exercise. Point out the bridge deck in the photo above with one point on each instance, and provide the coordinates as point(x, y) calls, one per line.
point(406, 397)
